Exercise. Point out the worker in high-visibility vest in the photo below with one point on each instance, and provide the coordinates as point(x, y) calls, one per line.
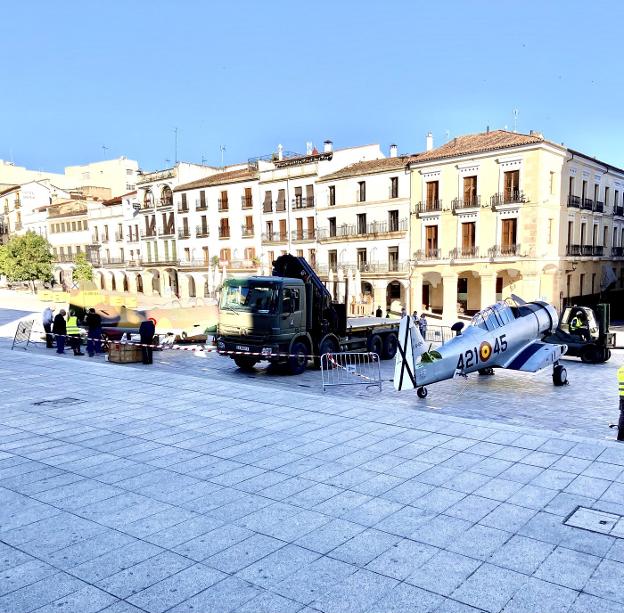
point(620, 374)
point(73, 331)
point(578, 326)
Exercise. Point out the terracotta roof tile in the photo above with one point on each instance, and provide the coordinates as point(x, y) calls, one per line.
point(233, 176)
point(371, 166)
point(477, 143)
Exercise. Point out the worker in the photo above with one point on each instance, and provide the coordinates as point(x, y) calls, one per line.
point(578, 326)
point(59, 331)
point(379, 312)
point(48, 320)
point(146, 332)
point(73, 332)
point(620, 374)
point(94, 333)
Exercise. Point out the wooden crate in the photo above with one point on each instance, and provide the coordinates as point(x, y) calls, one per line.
point(124, 353)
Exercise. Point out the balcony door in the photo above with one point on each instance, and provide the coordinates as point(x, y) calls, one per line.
point(433, 188)
point(431, 240)
point(299, 228)
point(508, 234)
point(470, 191)
point(282, 229)
point(468, 238)
point(511, 185)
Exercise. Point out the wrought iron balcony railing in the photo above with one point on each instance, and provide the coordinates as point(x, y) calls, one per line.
point(574, 201)
point(463, 203)
point(513, 196)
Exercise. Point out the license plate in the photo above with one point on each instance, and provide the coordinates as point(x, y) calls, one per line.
point(242, 348)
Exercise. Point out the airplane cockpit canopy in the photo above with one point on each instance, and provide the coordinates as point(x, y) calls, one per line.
point(494, 316)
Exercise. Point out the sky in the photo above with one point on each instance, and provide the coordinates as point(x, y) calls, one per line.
point(85, 81)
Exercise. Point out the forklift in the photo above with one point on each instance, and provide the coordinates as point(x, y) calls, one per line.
point(592, 342)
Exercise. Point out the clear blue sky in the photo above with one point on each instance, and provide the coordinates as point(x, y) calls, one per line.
point(250, 75)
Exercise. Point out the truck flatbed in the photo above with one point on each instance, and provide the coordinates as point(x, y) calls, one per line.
point(367, 323)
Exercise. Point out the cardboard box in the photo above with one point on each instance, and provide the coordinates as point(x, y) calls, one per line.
point(124, 353)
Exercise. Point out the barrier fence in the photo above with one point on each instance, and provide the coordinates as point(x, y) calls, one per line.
point(350, 369)
point(22, 334)
point(439, 334)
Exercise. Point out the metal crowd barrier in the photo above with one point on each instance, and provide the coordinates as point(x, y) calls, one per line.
point(350, 369)
point(439, 334)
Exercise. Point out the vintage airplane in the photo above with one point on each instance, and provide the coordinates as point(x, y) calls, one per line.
point(506, 335)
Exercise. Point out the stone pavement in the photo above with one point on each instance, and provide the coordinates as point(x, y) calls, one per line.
point(139, 489)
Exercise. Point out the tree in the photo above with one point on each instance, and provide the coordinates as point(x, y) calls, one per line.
point(27, 258)
point(83, 270)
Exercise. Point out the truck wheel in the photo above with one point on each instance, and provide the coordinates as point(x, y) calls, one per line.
point(590, 355)
point(328, 345)
point(245, 363)
point(375, 344)
point(298, 359)
point(390, 345)
point(560, 375)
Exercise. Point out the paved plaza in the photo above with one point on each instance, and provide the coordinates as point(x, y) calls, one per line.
point(131, 488)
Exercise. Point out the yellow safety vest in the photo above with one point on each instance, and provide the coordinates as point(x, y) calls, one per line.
point(575, 323)
point(621, 380)
point(72, 325)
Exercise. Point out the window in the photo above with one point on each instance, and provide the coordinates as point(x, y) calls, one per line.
point(267, 205)
point(432, 195)
point(206, 254)
point(202, 199)
point(269, 230)
point(310, 227)
point(596, 191)
point(249, 225)
point(224, 228)
point(332, 259)
point(247, 199)
point(606, 196)
point(184, 203)
point(361, 223)
point(470, 191)
point(225, 255)
point(570, 232)
point(282, 230)
point(605, 237)
point(166, 197)
point(508, 235)
point(431, 241)
point(223, 201)
point(393, 259)
point(616, 197)
point(299, 253)
point(332, 226)
point(312, 257)
point(299, 222)
point(271, 257)
point(290, 300)
point(583, 229)
point(73, 224)
point(511, 186)
point(129, 171)
point(584, 191)
point(187, 254)
point(595, 235)
point(281, 200)
point(298, 197)
point(571, 186)
point(361, 191)
point(309, 195)
point(332, 195)
point(361, 260)
point(393, 221)
point(468, 238)
point(581, 283)
point(250, 253)
point(394, 187)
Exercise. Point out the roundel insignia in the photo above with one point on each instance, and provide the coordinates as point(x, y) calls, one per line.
point(485, 351)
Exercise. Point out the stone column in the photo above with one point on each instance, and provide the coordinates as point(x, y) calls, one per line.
point(147, 282)
point(416, 293)
point(530, 287)
point(183, 286)
point(449, 298)
point(488, 290)
point(132, 285)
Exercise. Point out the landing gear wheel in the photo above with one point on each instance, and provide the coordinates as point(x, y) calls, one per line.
point(422, 392)
point(390, 346)
point(486, 372)
point(560, 375)
point(298, 359)
point(375, 344)
point(245, 363)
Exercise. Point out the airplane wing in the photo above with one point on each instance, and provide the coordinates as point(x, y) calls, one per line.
point(411, 345)
point(535, 356)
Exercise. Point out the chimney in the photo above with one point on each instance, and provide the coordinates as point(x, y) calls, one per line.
point(429, 141)
point(280, 153)
point(394, 151)
point(328, 146)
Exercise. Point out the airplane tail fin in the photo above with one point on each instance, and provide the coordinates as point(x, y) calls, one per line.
point(411, 347)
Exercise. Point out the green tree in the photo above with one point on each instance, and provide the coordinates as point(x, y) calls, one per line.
point(83, 270)
point(27, 258)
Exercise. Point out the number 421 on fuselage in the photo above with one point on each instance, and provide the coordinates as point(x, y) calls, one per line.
point(506, 335)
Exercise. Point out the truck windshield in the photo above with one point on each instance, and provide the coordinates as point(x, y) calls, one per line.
point(249, 296)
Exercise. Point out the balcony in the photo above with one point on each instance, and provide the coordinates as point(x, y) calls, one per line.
point(374, 229)
point(223, 205)
point(617, 252)
point(587, 250)
point(504, 251)
point(95, 239)
point(618, 211)
point(247, 231)
point(119, 236)
point(598, 206)
point(166, 232)
point(224, 232)
point(246, 202)
point(430, 206)
point(147, 205)
point(508, 197)
point(392, 266)
point(598, 251)
point(201, 205)
point(132, 238)
point(113, 262)
point(275, 237)
point(430, 253)
point(193, 264)
point(573, 250)
point(267, 206)
point(302, 203)
point(574, 201)
point(63, 258)
point(280, 206)
point(459, 203)
point(104, 239)
point(183, 207)
point(165, 203)
point(464, 253)
point(303, 235)
point(587, 204)
point(184, 233)
point(202, 231)
point(151, 233)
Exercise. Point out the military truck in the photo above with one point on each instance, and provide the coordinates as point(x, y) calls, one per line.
point(290, 318)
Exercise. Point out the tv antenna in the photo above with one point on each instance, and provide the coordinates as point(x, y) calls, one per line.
point(175, 132)
point(515, 116)
point(222, 149)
